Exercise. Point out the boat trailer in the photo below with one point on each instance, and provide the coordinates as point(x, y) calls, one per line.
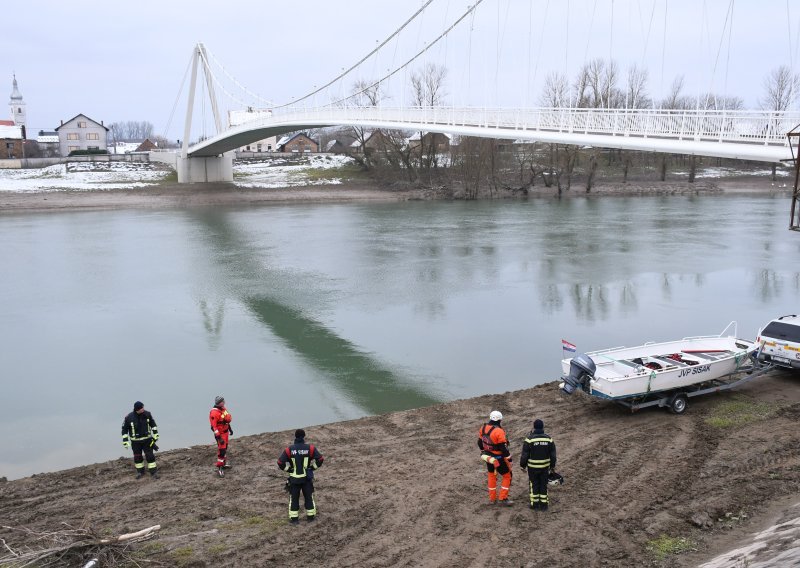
point(676, 401)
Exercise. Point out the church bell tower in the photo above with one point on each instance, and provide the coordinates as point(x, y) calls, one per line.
point(17, 106)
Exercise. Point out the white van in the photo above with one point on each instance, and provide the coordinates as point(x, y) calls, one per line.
point(780, 342)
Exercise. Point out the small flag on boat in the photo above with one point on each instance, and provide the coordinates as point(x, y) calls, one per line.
point(567, 346)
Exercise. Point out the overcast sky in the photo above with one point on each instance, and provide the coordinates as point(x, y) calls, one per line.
point(119, 61)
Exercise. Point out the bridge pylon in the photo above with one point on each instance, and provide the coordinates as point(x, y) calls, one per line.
point(207, 168)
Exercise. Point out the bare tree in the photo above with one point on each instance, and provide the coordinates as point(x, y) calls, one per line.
point(636, 89)
point(131, 130)
point(781, 89)
point(601, 89)
point(364, 94)
point(555, 92)
point(428, 85)
point(428, 90)
point(674, 99)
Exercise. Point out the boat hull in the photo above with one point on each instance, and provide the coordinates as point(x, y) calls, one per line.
point(659, 367)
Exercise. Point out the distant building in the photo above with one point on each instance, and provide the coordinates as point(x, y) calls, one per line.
point(17, 106)
point(297, 144)
point(146, 146)
point(10, 140)
point(48, 144)
point(239, 117)
point(436, 140)
point(266, 145)
point(82, 133)
point(335, 147)
point(373, 141)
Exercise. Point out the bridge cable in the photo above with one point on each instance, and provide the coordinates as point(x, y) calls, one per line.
point(610, 60)
point(728, 14)
point(446, 39)
point(500, 41)
point(589, 35)
point(728, 58)
point(646, 44)
point(469, 11)
point(177, 98)
point(341, 76)
point(207, 69)
point(528, 66)
point(469, 58)
point(541, 40)
point(566, 51)
point(663, 53)
point(256, 96)
point(702, 21)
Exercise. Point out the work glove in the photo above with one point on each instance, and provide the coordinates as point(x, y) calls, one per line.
point(218, 439)
point(126, 444)
point(155, 447)
point(155, 435)
point(230, 430)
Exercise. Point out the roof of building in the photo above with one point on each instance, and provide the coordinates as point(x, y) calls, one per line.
point(6, 123)
point(146, 146)
point(47, 138)
point(84, 116)
point(16, 97)
point(10, 132)
point(286, 139)
point(417, 136)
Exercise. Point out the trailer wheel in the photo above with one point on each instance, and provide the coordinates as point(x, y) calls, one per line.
point(677, 403)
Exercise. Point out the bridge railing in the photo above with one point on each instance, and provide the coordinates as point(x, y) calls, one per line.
point(709, 125)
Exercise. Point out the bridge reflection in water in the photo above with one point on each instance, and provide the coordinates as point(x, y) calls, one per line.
point(357, 376)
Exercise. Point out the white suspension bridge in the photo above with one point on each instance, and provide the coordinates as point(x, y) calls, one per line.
point(755, 135)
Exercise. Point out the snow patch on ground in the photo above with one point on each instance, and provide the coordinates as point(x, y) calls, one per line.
point(727, 172)
point(287, 172)
point(291, 171)
point(82, 176)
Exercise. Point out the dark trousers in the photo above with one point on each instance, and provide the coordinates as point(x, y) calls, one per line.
point(537, 479)
point(143, 446)
point(307, 488)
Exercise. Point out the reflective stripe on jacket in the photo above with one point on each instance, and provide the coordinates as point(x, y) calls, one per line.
point(219, 418)
point(299, 458)
point(139, 426)
point(538, 451)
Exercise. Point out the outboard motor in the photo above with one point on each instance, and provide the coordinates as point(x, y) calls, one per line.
point(581, 371)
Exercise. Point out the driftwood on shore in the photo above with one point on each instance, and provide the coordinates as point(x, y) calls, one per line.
point(71, 546)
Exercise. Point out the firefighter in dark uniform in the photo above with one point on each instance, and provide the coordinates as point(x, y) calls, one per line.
point(300, 460)
point(539, 458)
point(139, 431)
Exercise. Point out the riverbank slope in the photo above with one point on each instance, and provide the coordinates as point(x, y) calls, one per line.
point(408, 488)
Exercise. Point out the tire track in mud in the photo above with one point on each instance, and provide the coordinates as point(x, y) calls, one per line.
point(408, 489)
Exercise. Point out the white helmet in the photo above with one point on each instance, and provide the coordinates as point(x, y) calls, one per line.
point(496, 416)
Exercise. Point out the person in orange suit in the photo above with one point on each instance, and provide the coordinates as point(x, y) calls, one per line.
point(493, 443)
point(220, 420)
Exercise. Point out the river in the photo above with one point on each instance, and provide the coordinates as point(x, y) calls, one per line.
point(312, 313)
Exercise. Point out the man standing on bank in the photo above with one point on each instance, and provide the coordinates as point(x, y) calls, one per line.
point(300, 460)
point(539, 458)
point(493, 443)
point(140, 432)
point(220, 420)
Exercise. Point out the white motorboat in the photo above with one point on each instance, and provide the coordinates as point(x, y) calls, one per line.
point(630, 372)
